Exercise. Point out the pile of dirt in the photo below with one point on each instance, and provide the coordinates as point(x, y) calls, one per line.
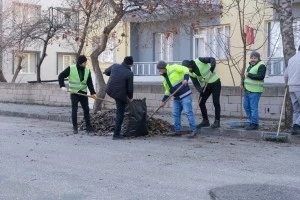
point(103, 122)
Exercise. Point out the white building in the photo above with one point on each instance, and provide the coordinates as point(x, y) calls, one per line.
point(60, 52)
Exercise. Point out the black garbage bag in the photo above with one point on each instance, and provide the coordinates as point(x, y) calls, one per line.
point(134, 123)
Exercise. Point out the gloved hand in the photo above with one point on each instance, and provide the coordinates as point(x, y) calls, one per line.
point(94, 96)
point(184, 82)
point(64, 89)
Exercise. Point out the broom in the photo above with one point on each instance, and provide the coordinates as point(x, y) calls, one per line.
point(278, 138)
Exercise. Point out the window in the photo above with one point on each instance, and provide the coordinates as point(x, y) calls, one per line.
point(28, 64)
point(24, 13)
point(275, 61)
point(108, 56)
point(164, 46)
point(64, 60)
point(212, 41)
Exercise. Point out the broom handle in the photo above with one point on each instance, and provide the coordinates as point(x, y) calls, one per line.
point(166, 101)
point(283, 103)
point(85, 95)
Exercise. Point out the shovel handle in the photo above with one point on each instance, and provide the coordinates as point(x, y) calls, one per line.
point(90, 96)
point(166, 101)
point(282, 107)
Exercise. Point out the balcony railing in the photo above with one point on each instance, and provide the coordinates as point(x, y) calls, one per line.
point(275, 67)
point(147, 68)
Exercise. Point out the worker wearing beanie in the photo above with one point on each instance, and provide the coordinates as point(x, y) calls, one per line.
point(173, 77)
point(206, 82)
point(79, 80)
point(253, 84)
point(120, 88)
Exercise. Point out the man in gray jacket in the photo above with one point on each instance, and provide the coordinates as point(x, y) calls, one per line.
point(292, 80)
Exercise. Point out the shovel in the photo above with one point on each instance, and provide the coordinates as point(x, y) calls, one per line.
point(165, 101)
point(90, 96)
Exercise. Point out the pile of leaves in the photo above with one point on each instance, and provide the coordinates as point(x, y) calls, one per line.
point(103, 122)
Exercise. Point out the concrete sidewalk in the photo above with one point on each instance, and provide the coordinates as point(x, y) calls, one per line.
point(63, 114)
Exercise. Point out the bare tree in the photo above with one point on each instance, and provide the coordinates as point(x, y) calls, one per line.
point(45, 30)
point(101, 19)
point(2, 78)
point(284, 11)
point(18, 29)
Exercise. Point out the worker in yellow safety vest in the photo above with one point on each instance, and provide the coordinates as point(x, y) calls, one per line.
point(79, 80)
point(175, 78)
point(206, 82)
point(253, 84)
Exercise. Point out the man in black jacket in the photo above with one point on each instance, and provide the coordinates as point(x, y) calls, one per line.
point(79, 80)
point(120, 88)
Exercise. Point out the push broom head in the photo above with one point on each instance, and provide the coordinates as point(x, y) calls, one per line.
point(273, 137)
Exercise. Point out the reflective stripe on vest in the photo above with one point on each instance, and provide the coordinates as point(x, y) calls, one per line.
point(174, 76)
point(254, 85)
point(206, 74)
point(75, 85)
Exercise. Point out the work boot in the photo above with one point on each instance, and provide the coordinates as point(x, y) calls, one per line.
point(90, 129)
point(296, 129)
point(252, 127)
point(75, 130)
point(174, 134)
point(192, 135)
point(204, 123)
point(216, 124)
point(118, 137)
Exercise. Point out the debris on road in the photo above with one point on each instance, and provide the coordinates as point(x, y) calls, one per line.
point(103, 122)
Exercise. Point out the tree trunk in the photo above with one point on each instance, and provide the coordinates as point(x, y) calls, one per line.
point(38, 67)
point(19, 68)
point(95, 54)
point(98, 73)
point(286, 29)
point(2, 78)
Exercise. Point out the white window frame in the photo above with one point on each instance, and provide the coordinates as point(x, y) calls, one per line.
point(164, 50)
point(30, 69)
point(213, 44)
point(109, 55)
point(65, 64)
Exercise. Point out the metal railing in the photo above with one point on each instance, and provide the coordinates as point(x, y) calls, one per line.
point(148, 68)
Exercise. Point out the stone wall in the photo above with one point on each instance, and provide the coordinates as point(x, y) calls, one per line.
point(29, 93)
point(50, 94)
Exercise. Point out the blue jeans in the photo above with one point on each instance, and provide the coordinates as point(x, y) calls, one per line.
point(251, 100)
point(184, 104)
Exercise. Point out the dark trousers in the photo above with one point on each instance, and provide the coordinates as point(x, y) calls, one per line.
point(215, 90)
point(85, 106)
point(121, 105)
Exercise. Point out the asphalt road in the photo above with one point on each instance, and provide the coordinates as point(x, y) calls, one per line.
point(39, 160)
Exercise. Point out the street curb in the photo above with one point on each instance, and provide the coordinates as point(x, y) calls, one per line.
point(242, 134)
point(207, 131)
point(51, 117)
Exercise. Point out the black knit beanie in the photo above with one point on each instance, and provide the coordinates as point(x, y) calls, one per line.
point(161, 65)
point(255, 54)
point(81, 59)
point(128, 60)
point(186, 63)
